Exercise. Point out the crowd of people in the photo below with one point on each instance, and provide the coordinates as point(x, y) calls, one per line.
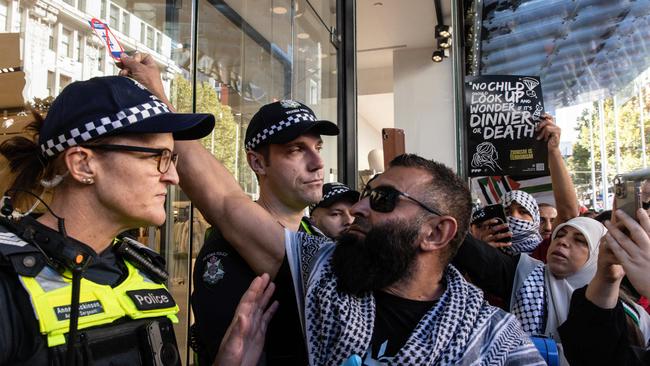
point(406, 272)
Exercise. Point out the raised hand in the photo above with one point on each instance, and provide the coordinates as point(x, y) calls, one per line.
point(490, 231)
point(244, 340)
point(632, 250)
point(548, 131)
point(142, 67)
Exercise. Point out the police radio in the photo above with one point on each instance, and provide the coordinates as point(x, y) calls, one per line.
point(57, 254)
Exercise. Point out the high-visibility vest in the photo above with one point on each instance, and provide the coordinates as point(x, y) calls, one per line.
point(137, 297)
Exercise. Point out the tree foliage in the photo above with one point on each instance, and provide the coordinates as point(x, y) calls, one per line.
point(629, 141)
point(223, 141)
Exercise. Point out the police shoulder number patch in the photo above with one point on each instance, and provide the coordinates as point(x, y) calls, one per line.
point(151, 299)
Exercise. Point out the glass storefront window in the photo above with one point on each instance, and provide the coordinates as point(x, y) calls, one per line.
point(315, 79)
point(249, 53)
point(3, 16)
point(593, 61)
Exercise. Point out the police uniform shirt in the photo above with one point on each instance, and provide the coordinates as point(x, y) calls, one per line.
point(220, 278)
point(20, 338)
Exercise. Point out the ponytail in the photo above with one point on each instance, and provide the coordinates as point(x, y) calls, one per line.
point(26, 164)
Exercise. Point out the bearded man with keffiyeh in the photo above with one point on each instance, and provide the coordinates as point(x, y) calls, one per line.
point(386, 292)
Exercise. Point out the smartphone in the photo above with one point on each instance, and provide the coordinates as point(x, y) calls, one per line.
point(392, 143)
point(492, 212)
point(628, 196)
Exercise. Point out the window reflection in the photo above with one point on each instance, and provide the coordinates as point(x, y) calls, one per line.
point(592, 58)
point(249, 53)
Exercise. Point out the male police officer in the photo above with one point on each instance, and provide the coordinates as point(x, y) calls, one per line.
point(283, 148)
point(332, 214)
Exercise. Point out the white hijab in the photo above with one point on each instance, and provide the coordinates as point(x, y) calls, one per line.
point(559, 291)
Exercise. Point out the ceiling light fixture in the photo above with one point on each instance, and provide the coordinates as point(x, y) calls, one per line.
point(442, 35)
point(438, 56)
point(302, 35)
point(443, 31)
point(444, 43)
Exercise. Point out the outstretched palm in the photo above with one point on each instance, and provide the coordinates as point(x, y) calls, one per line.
point(244, 340)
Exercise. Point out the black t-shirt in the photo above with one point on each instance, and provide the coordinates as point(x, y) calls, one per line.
point(20, 340)
point(221, 276)
point(395, 321)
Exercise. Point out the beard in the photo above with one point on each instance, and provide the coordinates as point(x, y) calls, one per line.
point(386, 255)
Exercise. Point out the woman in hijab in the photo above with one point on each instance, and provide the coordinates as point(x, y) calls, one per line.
point(522, 210)
point(537, 294)
point(522, 213)
point(601, 327)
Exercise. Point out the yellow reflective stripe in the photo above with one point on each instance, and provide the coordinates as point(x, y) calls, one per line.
point(47, 304)
point(115, 303)
point(135, 281)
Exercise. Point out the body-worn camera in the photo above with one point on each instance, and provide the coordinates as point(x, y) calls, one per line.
point(628, 190)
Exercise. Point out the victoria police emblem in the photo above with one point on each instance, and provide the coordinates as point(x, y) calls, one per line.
point(287, 103)
point(213, 269)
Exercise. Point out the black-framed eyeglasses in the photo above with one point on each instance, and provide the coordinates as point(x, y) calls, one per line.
point(384, 199)
point(164, 156)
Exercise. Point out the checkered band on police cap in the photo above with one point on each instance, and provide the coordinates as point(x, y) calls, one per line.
point(101, 126)
point(335, 190)
point(282, 121)
point(266, 133)
point(86, 110)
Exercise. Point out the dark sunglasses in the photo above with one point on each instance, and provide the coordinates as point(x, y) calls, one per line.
point(384, 199)
point(165, 156)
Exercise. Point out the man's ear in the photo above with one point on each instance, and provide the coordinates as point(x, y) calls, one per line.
point(257, 162)
point(81, 164)
point(437, 232)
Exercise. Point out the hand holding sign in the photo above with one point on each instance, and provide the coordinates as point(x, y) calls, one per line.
point(113, 46)
point(142, 68)
point(548, 131)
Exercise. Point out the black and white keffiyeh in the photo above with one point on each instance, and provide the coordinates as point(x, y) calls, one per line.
point(537, 292)
point(529, 305)
point(525, 234)
point(460, 329)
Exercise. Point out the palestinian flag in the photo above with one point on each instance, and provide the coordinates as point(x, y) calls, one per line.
point(491, 189)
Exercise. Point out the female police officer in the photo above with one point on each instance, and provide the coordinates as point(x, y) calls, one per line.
point(68, 296)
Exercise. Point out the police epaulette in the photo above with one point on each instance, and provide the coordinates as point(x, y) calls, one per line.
point(143, 258)
point(17, 253)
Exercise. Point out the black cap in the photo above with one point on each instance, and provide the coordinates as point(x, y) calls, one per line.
point(113, 105)
point(283, 121)
point(336, 192)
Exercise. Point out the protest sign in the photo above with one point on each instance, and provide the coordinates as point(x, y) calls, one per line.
point(502, 112)
point(113, 46)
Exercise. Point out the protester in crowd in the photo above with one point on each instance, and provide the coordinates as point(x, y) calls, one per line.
point(521, 208)
point(547, 214)
point(106, 152)
point(602, 328)
point(537, 294)
point(332, 214)
point(388, 279)
point(283, 147)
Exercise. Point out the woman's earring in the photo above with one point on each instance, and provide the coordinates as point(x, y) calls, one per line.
point(87, 180)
